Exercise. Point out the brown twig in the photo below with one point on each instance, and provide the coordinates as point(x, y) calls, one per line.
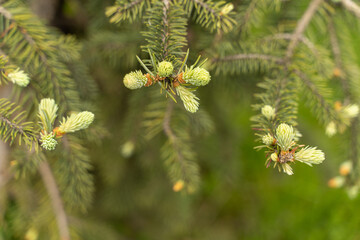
point(56, 201)
point(248, 56)
point(352, 7)
point(300, 28)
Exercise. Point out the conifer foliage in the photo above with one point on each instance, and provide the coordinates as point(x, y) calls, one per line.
point(172, 55)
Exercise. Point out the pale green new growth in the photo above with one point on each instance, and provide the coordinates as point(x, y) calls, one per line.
point(268, 111)
point(267, 139)
point(165, 69)
point(135, 80)
point(310, 155)
point(287, 169)
point(351, 111)
point(331, 129)
point(18, 77)
point(48, 141)
point(76, 122)
point(197, 76)
point(285, 135)
point(189, 99)
point(49, 107)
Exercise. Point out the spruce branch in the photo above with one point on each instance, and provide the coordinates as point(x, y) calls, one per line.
point(300, 27)
point(35, 52)
point(337, 56)
point(56, 201)
point(326, 111)
point(352, 7)
point(13, 125)
point(125, 10)
point(249, 56)
point(178, 155)
point(213, 15)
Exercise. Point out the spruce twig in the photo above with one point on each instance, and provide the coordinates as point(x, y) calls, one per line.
point(56, 201)
point(300, 28)
point(352, 7)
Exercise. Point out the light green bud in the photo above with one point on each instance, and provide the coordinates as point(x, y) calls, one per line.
point(49, 107)
point(351, 111)
point(165, 69)
point(285, 135)
point(287, 169)
point(127, 149)
point(135, 80)
point(268, 111)
point(267, 139)
point(331, 129)
point(274, 157)
point(197, 76)
point(189, 99)
point(310, 155)
point(48, 141)
point(18, 77)
point(76, 122)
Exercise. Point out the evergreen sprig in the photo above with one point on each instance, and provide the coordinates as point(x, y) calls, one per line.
point(213, 15)
point(13, 125)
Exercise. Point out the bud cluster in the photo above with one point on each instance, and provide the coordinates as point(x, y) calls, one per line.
point(181, 83)
point(47, 115)
point(283, 150)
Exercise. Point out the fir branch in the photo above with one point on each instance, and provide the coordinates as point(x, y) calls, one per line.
point(300, 28)
point(326, 110)
point(166, 31)
point(352, 7)
point(337, 56)
point(31, 45)
point(178, 154)
point(12, 125)
point(210, 14)
point(124, 10)
point(56, 201)
point(72, 171)
point(247, 15)
point(249, 56)
point(303, 39)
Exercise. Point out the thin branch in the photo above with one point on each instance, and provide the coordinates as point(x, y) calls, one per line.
point(337, 56)
point(247, 15)
point(352, 7)
point(171, 136)
point(248, 56)
point(127, 7)
point(308, 83)
point(57, 204)
point(206, 7)
point(303, 39)
point(165, 37)
point(300, 28)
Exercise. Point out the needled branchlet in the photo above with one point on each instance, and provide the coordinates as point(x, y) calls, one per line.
point(283, 149)
point(47, 115)
point(19, 78)
point(174, 79)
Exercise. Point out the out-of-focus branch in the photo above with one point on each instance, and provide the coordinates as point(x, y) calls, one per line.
point(337, 56)
point(300, 28)
point(57, 204)
point(352, 7)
